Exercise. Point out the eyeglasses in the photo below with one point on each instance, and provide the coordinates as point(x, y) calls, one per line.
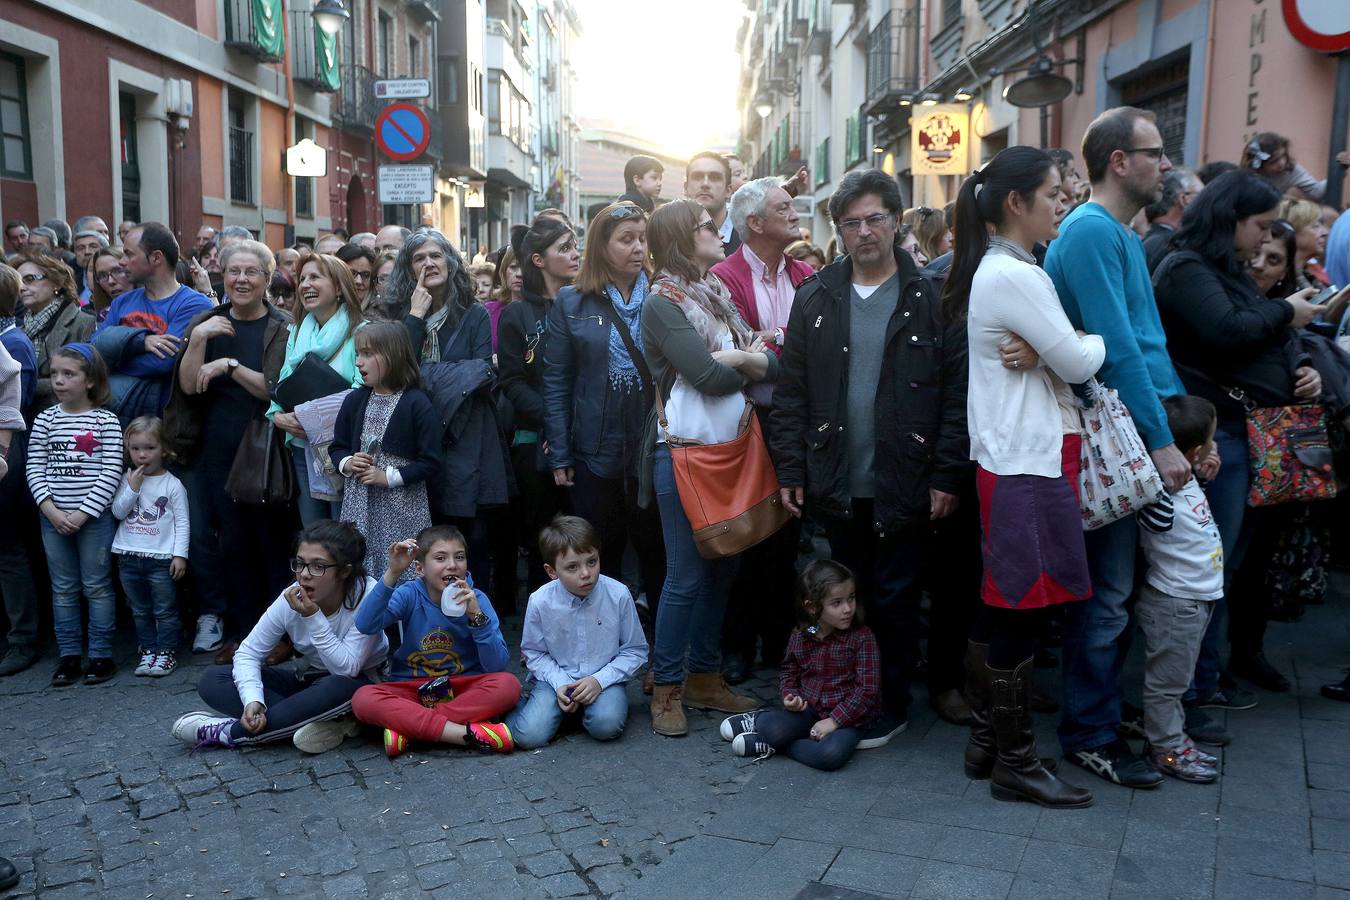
point(1154, 153)
point(873, 222)
point(316, 569)
point(625, 211)
point(243, 273)
point(708, 224)
point(29, 279)
point(110, 274)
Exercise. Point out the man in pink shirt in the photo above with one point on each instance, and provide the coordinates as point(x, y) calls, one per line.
point(762, 280)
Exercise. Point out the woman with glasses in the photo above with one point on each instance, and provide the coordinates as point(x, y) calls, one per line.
point(52, 316)
point(234, 352)
point(253, 703)
point(360, 262)
point(596, 396)
point(109, 281)
point(702, 355)
point(1224, 334)
point(379, 283)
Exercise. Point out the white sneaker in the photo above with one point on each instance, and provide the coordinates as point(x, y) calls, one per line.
point(148, 660)
point(320, 737)
point(164, 664)
point(210, 634)
point(185, 729)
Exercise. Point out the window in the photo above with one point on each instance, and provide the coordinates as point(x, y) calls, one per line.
point(384, 61)
point(1163, 92)
point(304, 186)
point(241, 152)
point(131, 167)
point(414, 56)
point(494, 103)
point(16, 159)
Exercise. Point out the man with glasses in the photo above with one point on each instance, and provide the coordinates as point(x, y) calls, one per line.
point(869, 421)
point(1101, 275)
point(1164, 214)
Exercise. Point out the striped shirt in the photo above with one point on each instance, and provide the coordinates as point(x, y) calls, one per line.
point(75, 459)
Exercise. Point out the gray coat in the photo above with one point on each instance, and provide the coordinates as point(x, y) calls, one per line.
point(71, 326)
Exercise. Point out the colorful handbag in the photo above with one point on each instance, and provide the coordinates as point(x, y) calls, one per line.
point(1290, 453)
point(1116, 476)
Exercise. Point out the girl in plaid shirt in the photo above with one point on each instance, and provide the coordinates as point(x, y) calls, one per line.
point(830, 680)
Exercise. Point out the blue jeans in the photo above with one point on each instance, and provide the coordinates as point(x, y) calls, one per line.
point(153, 601)
point(1095, 639)
point(790, 734)
point(535, 720)
point(311, 509)
point(82, 563)
point(694, 597)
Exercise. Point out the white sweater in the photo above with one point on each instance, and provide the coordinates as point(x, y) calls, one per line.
point(1016, 427)
point(327, 644)
point(154, 521)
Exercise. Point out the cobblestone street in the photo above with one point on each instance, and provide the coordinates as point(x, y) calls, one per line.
point(96, 799)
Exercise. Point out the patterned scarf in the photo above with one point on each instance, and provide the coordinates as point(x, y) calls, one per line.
point(431, 343)
point(706, 304)
point(623, 374)
point(34, 324)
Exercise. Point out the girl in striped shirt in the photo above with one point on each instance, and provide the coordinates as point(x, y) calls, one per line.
point(74, 469)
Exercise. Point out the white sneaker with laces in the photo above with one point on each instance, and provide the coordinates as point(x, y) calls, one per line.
point(210, 634)
point(751, 744)
point(320, 737)
point(164, 664)
point(148, 660)
point(185, 729)
point(737, 725)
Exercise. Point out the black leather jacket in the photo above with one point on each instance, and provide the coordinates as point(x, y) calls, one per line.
point(921, 436)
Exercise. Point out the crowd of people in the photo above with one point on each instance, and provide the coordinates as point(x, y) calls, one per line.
point(342, 454)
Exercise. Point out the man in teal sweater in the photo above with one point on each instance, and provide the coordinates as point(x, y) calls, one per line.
point(1101, 274)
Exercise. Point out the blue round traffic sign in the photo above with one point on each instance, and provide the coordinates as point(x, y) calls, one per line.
point(402, 131)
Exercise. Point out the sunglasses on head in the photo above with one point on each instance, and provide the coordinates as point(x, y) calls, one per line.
point(1280, 228)
point(625, 211)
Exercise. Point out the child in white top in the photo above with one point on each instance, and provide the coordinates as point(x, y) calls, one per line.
point(151, 544)
point(1184, 552)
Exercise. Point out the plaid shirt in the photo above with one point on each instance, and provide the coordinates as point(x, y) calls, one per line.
point(839, 675)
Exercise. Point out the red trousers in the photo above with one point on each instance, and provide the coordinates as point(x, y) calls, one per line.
point(394, 704)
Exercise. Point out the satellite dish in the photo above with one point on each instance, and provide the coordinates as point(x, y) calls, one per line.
point(1041, 87)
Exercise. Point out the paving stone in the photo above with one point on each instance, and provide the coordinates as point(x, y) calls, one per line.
point(1162, 878)
point(1272, 858)
point(950, 881)
point(1233, 884)
point(1333, 869)
point(868, 870)
point(590, 856)
point(548, 863)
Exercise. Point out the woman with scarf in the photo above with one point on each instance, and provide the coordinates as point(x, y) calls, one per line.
point(701, 354)
point(327, 315)
point(596, 397)
point(52, 316)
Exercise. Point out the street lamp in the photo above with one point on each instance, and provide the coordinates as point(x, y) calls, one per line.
point(964, 95)
point(930, 99)
point(764, 105)
point(906, 99)
point(330, 15)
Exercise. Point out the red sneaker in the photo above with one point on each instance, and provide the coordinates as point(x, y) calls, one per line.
point(394, 743)
point(490, 737)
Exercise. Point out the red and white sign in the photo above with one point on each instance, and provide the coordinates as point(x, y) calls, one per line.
point(1323, 25)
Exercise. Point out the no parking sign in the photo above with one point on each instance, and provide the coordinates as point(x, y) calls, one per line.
point(1320, 24)
point(402, 131)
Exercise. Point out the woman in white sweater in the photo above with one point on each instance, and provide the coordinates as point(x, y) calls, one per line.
point(1024, 435)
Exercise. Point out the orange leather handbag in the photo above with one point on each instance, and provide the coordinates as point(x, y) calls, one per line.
point(729, 490)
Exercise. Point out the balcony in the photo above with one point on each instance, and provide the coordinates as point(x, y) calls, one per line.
point(818, 26)
point(822, 162)
point(548, 74)
point(946, 44)
point(241, 165)
point(855, 139)
point(422, 9)
point(892, 60)
point(260, 35)
point(314, 54)
point(357, 107)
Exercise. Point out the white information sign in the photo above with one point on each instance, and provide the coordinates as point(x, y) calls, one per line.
point(402, 88)
point(407, 184)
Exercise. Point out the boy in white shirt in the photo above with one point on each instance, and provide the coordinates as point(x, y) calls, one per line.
point(1184, 552)
point(581, 641)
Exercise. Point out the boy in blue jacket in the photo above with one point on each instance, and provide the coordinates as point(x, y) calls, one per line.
point(449, 678)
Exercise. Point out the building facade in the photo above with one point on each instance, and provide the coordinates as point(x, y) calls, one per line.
point(558, 130)
point(835, 85)
point(602, 153)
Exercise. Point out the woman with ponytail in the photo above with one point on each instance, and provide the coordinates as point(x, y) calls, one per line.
point(1024, 434)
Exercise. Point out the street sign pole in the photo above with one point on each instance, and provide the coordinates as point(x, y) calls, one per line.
point(1340, 123)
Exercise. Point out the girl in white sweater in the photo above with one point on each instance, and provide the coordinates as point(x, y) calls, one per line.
point(1024, 435)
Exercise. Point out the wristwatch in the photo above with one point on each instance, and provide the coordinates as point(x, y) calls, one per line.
point(478, 621)
point(233, 364)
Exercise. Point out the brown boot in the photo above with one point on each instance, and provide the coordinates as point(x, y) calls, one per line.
point(648, 682)
point(982, 748)
point(951, 707)
point(709, 690)
point(668, 710)
point(1018, 773)
point(225, 655)
point(279, 654)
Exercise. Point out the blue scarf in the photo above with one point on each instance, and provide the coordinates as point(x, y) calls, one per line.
point(326, 340)
point(623, 374)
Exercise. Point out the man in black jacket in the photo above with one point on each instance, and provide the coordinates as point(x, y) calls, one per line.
point(869, 420)
point(1164, 214)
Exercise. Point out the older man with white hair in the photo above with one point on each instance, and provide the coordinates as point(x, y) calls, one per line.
point(762, 280)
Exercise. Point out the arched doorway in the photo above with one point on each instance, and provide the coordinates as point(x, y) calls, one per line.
point(356, 206)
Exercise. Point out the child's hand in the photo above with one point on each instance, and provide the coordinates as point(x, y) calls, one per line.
point(75, 520)
point(401, 555)
point(254, 718)
point(56, 516)
point(469, 597)
point(374, 476)
point(360, 462)
point(793, 703)
point(585, 691)
point(177, 567)
point(565, 703)
point(823, 729)
point(299, 601)
point(136, 478)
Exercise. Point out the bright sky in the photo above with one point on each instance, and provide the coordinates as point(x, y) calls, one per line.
point(665, 70)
